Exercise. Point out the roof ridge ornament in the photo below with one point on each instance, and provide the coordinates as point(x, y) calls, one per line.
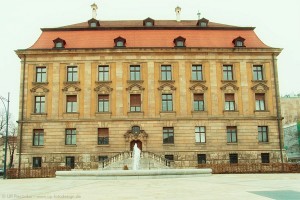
point(177, 11)
point(94, 10)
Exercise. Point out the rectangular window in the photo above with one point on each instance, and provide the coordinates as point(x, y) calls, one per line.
point(135, 72)
point(227, 72)
point(166, 72)
point(103, 136)
point(169, 157)
point(258, 72)
point(70, 137)
point(265, 158)
point(135, 103)
point(263, 134)
point(198, 102)
point(201, 158)
point(168, 135)
point(102, 158)
point(231, 134)
point(260, 102)
point(103, 73)
point(233, 158)
point(229, 102)
point(72, 73)
point(71, 103)
point(38, 137)
point(70, 162)
point(103, 103)
point(36, 162)
point(39, 104)
point(197, 72)
point(200, 134)
point(167, 102)
point(41, 75)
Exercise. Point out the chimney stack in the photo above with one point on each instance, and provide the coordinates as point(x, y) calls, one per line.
point(178, 10)
point(94, 10)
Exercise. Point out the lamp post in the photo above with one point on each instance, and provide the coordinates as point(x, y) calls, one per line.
point(6, 133)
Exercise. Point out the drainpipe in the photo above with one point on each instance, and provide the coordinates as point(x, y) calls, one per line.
point(22, 116)
point(278, 108)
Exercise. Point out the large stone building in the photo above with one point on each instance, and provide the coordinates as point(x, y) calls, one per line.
point(192, 91)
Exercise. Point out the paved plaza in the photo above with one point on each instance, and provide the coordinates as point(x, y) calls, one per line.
point(222, 186)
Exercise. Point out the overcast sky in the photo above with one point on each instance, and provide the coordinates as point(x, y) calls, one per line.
point(277, 24)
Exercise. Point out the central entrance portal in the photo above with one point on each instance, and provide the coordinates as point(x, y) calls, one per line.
point(133, 142)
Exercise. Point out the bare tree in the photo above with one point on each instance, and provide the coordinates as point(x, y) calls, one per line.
point(12, 134)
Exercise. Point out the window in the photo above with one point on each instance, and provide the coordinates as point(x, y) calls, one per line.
point(70, 137)
point(197, 72)
point(227, 72)
point(229, 102)
point(59, 43)
point(179, 42)
point(103, 136)
point(41, 75)
point(263, 134)
point(120, 42)
point(231, 134)
point(166, 73)
point(201, 158)
point(135, 73)
point(103, 73)
point(167, 102)
point(260, 102)
point(71, 103)
point(72, 73)
point(149, 24)
point(93, 23)
point(135, 103)
point(239, 42)
point(198, 102)
point(233, 158)
point(103, 103)
point(169, 157)
point(200, 134)
point(168, 135)
point(39, 104)
point(102, 158)
point(258, 73)
point(36, 162)
point(70, 162)
point(38, 137)
point(265, 158)
point(203, 24)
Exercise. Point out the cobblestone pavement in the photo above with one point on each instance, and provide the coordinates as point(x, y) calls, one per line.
point(224, 186)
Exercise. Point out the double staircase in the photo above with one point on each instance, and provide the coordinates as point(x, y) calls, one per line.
point(148, 160)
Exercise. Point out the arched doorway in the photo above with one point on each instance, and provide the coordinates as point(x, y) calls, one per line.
point(133, 142)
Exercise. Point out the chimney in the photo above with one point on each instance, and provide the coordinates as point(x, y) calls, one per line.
point(94, 10)
point(178, 10)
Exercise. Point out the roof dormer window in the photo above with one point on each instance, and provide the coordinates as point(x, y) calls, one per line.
point(59, 43)
point(239, 42)
point(93, 23)
point(202, 22)
point(120, 42)
point(179, 41)
point(148, 22)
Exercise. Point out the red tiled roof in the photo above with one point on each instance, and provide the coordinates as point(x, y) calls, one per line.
point(80, 36)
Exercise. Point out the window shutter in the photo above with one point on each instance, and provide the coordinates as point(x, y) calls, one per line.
point(229, 97)
point(198, 97)
point(260, 97)
point(135, 100)
point(72, 98)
